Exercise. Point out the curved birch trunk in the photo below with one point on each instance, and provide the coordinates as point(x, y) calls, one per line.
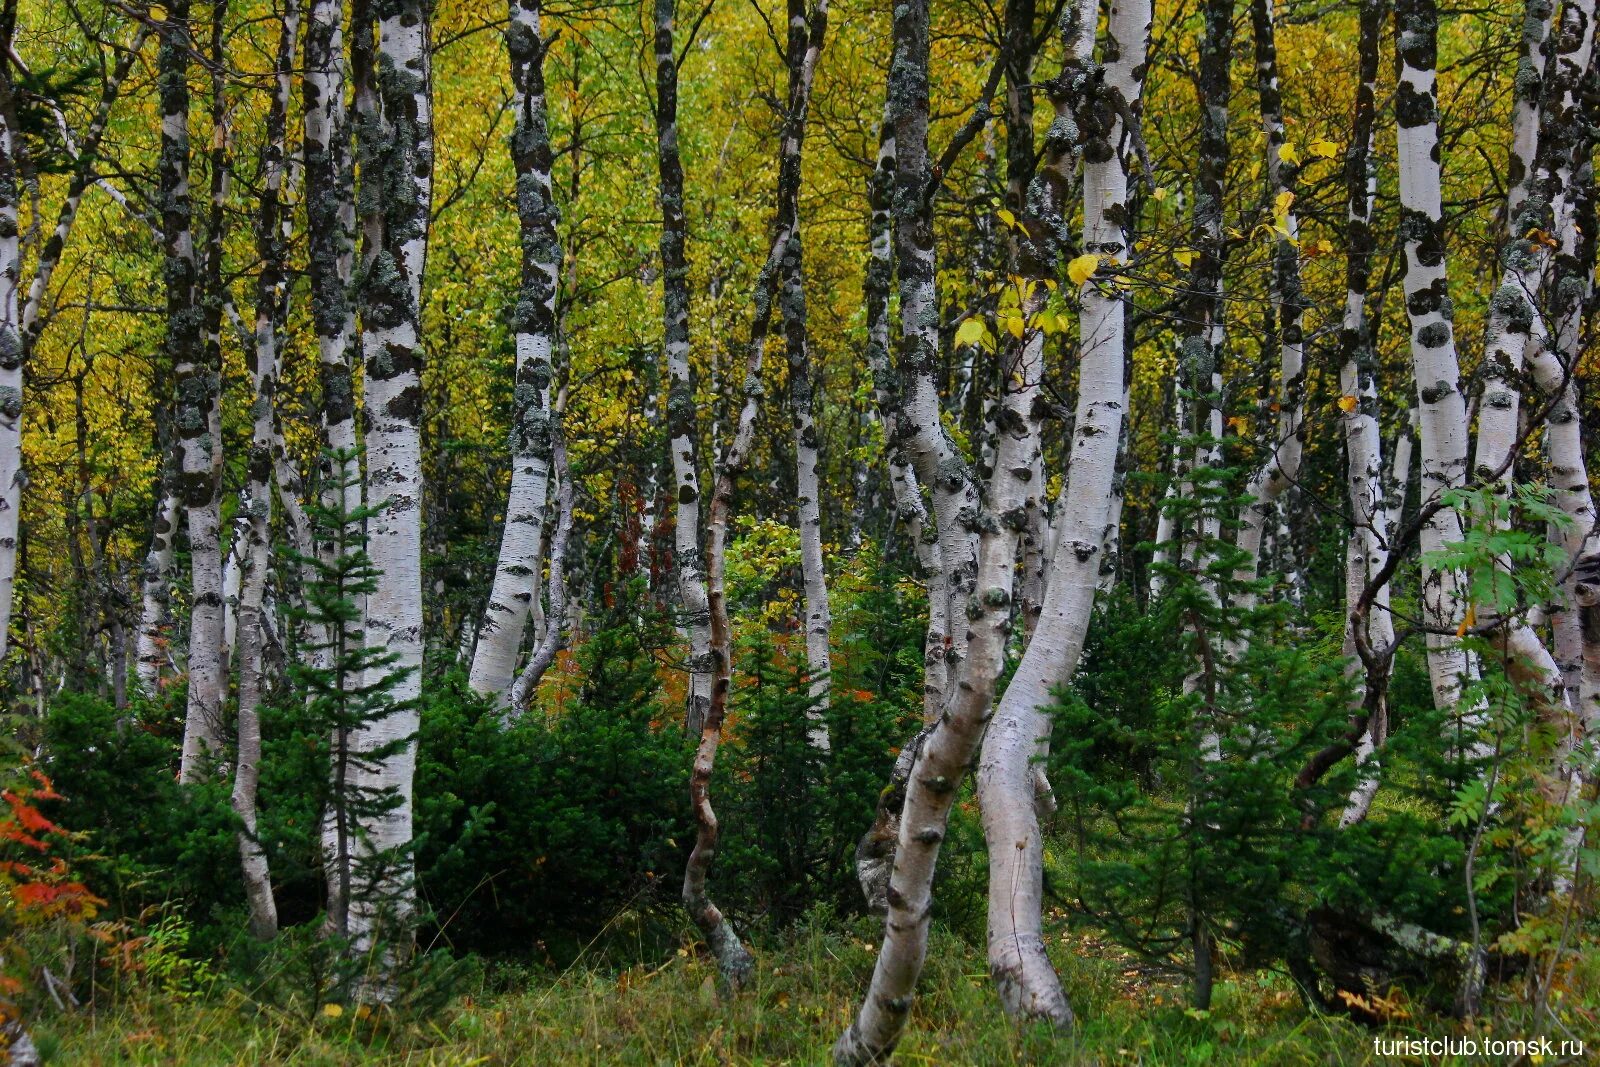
point(533, 430)
point(397, 152)
point(1008, 774)
point(1513, 308)
point(255, 505)
point(550, 642)
point(943, 758)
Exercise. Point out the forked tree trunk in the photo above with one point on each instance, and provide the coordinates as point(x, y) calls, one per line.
point(1009, 773)
point(533, 430)
point(688, 559)
point(397, 156)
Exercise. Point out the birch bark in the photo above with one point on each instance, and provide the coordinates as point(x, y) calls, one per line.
point(533, 430)
point(689, 560)
point(1008, 775)
point(255, 505)
point(397, 157)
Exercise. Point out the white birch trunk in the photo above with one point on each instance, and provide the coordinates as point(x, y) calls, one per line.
point(1442, 409)
point(402, 156)
point(689, 561)
point(1008, 775)
point(533, 431)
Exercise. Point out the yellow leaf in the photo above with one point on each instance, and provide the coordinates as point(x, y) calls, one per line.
point(1184, 256)
point(1237, 424)
point(333, 1011)
point(1160, 194)
point(1467, 621)
point(969, 332)
point(1289, 154)
point(1006, 217)
point(1080, 270)
point(1014, 326)
point(158, 13)
point(1323, 148)
point(1284, 202)
point(1347, 404)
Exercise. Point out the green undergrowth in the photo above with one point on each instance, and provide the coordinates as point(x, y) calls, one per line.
point(804, 992)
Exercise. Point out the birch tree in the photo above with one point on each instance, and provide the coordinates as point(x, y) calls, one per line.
point(533, 430)
point(1369, 514)
point(330, 232)
point(396, 145)
point(185, 349)
point(255, 504)
point(1101, 100)
point(688, 559)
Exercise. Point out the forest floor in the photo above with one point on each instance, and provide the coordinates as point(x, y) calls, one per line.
point(803, 995)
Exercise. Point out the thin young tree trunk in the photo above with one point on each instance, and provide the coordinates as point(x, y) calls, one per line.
point(11, 351)
point(256, 502)
point(805, 43)
point(1368, 539)
point(544, 654)
point(155, 612)
point(688, 558)
point(780, 269)
point(397, 157)
point(21, 321)
point(533, 431)
point(1282, 467)
point(1008, 773)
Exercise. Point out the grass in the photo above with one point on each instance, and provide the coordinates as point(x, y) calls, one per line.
point(804, 993)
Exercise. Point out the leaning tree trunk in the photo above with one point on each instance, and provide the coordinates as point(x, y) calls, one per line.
point(397, 157)
point(516, 579)
point(1008, 773)
point(942, 761)
point(1442, 418)
point(255, 504)
point(1368, 539)
point(688, 558)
